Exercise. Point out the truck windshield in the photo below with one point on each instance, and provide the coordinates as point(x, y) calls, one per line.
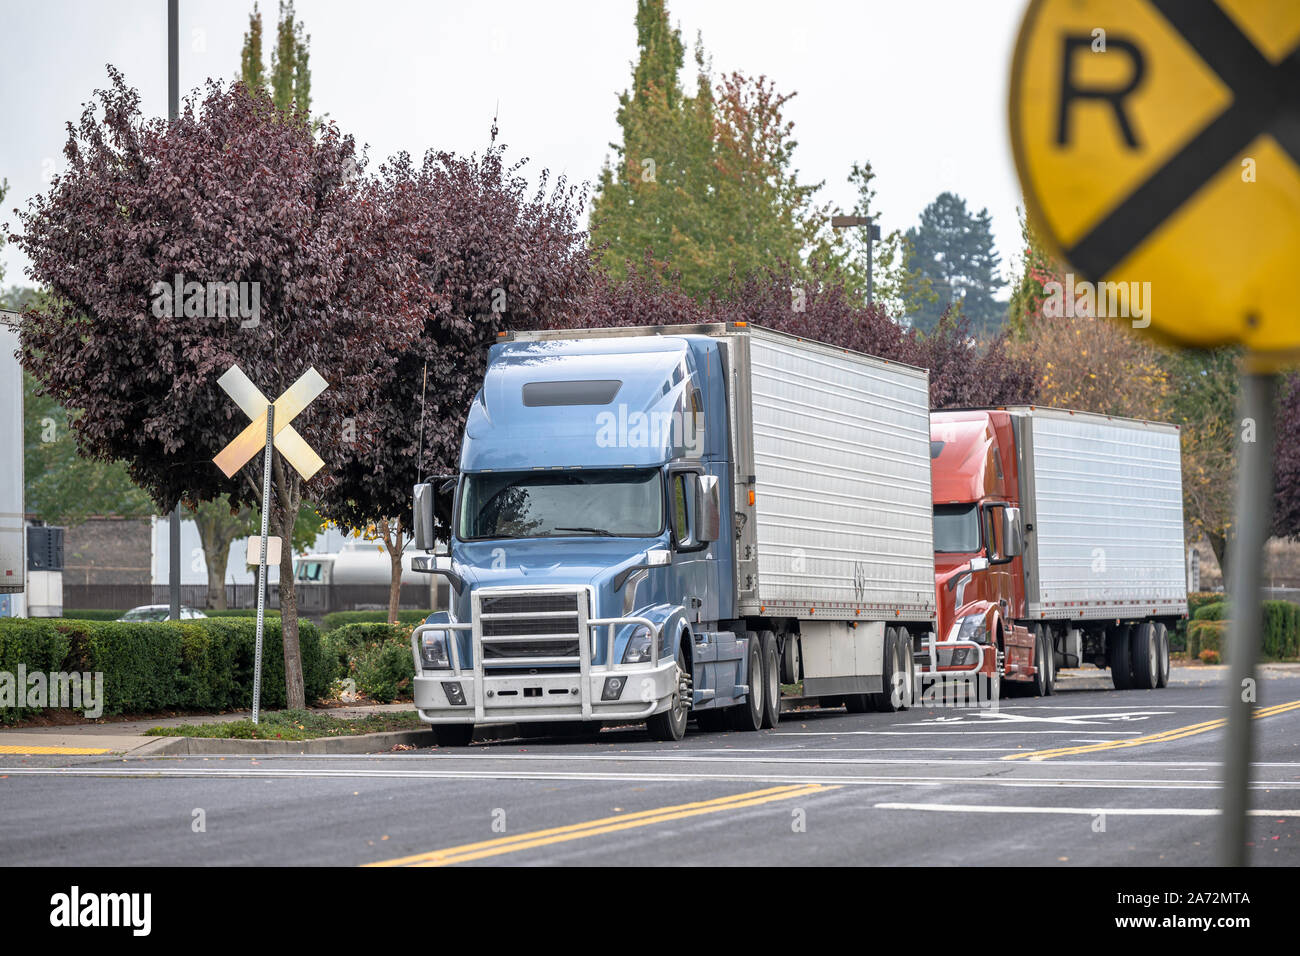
point(616, 502)
point(956, 529)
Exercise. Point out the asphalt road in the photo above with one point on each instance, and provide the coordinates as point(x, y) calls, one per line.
point(1086, 777)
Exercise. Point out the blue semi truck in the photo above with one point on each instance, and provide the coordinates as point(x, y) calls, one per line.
point(670, 523)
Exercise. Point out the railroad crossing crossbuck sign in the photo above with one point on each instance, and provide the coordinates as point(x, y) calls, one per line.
point(288, 406)
point(1158, 141)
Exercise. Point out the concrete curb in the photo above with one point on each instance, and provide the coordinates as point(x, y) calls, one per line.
point(218, 746)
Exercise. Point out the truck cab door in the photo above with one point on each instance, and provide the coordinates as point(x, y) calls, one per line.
point(691, 554)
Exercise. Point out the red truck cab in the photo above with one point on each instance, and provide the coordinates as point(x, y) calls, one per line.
point(978, 543)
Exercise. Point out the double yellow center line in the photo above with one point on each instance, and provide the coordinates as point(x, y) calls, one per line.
point(624, 821)
point(1164, 736)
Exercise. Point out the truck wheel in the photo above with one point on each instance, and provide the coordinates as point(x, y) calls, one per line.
point(1038, 686)
point(1049, 659)
point(1120, 653)
point(790, 660)
point(906, 667)
point(1162, 633)
point(1146, 656)
point(453, 735)
point(771, 679)
point(749, 714)
point(887, 700)
point(671, 724)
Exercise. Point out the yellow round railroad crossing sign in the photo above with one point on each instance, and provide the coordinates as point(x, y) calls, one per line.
point(1158, 143)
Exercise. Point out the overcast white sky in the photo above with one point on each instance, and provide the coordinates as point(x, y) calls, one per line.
point(918, 87)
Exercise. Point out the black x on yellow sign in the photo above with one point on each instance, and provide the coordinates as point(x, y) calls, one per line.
point(1158, 143)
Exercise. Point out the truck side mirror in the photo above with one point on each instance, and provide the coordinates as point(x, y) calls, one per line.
point(1012, 536)
point(708, 508)
point(422, 519)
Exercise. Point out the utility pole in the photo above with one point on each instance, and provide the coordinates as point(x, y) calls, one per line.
point(873, 235)
point(173, 110)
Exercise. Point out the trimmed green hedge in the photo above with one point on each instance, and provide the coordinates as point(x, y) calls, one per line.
point(1198, 599)
point(198, 664)
point(1206, 635)
point(93, 614)
point(376, 656)
point(1281, 628)
point(341, 618)
point(1218, 611)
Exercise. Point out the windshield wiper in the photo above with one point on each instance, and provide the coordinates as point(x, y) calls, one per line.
point(608, 534)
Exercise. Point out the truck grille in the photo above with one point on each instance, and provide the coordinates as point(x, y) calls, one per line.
point(532, 630)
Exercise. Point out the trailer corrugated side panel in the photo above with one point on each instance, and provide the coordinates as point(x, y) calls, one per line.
point(841, 449)
point(1106, 504)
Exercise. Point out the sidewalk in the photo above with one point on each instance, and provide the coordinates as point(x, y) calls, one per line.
point(128, 737)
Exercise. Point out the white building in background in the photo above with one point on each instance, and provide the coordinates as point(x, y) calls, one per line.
point(194, 568)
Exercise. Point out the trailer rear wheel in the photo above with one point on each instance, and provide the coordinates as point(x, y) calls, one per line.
point(1146, 656)
point(771, 679)
point(1162, 633)
point(749, 714)
point(894, 672)
point(453, 735)
point(1119, 651)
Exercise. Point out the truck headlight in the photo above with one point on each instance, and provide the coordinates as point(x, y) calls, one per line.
point(640, 646)
point(970, 628)
point(433, 650)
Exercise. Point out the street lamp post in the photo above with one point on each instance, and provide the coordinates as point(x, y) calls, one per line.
point(873, 234)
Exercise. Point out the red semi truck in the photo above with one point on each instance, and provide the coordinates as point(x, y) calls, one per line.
point(1058, 540)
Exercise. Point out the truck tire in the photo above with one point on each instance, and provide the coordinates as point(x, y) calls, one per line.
point(1050, 660)
point(749, 714)
point(1146, 656)
point(790, 660)
point(453, 735)
point(771, 679)
point(907, 666)
point(1162, 634)
point(887, 701)
point(670, 725)
point(1119, 652)
point(1038, 686)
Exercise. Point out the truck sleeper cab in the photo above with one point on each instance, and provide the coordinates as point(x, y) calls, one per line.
point(641, 530)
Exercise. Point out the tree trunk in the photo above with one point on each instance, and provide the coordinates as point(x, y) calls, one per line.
point(392, 533)
point(1219, 545)
point(289, 491)
point(218, 529)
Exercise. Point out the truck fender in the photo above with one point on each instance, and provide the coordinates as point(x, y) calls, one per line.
point(671, 620)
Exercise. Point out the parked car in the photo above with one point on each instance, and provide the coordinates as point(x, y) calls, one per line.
point(159, 612)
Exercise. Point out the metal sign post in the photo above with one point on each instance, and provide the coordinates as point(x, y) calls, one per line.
point(279, 434)
point(261, 561)
point(1254, 518)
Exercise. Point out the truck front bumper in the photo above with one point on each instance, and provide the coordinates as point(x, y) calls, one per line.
point(519, 689)
point(634, 693)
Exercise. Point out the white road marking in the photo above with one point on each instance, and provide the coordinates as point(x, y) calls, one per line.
point(1081, 811)
point(942, 733)
point(413, 774)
